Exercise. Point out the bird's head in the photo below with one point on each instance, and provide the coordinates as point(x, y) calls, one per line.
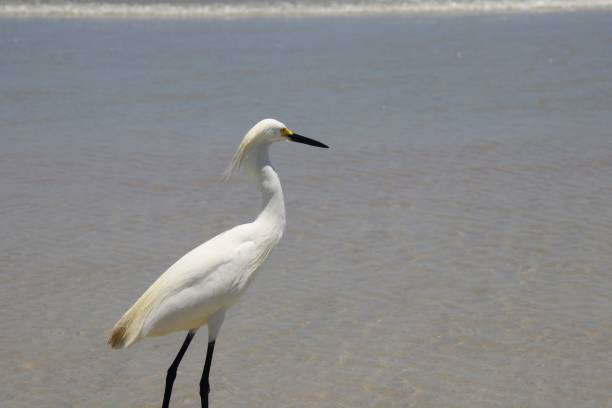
point(262, 135)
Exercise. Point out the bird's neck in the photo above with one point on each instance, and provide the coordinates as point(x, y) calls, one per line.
point(272, 214)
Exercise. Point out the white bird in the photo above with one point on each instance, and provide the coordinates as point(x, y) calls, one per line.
point(199, 288)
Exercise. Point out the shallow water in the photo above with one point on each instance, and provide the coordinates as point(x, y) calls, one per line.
point(452, 248)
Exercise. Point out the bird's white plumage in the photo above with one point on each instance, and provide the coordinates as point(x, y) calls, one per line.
point(199, 288)
point(202, 284)
point(209, 278)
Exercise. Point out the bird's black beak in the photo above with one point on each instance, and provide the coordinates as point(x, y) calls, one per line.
point(294, 137)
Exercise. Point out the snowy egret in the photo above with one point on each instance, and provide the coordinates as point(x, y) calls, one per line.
point(199, 288)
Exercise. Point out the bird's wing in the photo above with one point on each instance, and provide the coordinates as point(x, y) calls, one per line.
point(199, 281)
point(200, 292)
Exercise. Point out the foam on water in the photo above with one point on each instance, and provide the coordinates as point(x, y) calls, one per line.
point(301, 8)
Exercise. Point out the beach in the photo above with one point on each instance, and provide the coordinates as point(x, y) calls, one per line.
point(452, 248)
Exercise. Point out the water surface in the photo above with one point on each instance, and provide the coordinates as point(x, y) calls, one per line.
point(452, 248)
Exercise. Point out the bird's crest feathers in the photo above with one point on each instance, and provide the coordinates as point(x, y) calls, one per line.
point(253, 135)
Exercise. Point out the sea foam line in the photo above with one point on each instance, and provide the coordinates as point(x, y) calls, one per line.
point(199, 11)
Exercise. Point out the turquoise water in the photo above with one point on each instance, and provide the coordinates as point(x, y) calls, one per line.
point(452, 248)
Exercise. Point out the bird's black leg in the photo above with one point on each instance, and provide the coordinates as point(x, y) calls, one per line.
point(171, 375)
point(204, 384)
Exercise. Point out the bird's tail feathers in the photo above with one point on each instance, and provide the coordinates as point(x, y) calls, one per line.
point(126, 331)
point(129, 328)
